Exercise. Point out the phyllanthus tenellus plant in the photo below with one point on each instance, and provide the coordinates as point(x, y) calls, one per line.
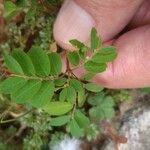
point(36, 79)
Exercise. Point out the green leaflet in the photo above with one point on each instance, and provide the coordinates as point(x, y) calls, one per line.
point(40, 61)
point(11, 84)
point(82, 120)
point(73, 58)
point(75, 130)
point(60, 82)
point(81, 97)
point(56, 64)
point(44, 95)
point(9, 7)
point(88, 76)
point(68, 94)
point(25, 62)
point(104, 55)
point(77, 85)
point(76, 43)
point(93, 67)
point(12, 64)
point(82, 49)
point(25, 93)
point(95, 40)
point(59, 121)
point(93, 87)
point(11, 10)
point(63, 95)
point(58, 108)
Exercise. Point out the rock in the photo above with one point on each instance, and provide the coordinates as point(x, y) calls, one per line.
point(67, 144)
point(135, 125)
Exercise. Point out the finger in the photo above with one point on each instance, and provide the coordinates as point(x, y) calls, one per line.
point(142, 17)
point(76, 18)
point(131, 69)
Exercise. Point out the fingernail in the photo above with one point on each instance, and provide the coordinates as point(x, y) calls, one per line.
point(72, 22)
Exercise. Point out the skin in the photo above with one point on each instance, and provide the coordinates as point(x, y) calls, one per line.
point(131, 69)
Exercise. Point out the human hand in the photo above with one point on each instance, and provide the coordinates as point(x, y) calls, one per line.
point(131, 69)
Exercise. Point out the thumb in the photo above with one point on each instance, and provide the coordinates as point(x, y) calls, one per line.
point(131, 69)
point(76, 18)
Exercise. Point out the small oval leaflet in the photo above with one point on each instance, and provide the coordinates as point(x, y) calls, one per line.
point(58, 108)
point(59, 121)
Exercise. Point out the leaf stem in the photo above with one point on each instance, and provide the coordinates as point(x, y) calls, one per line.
point(34, 78)
point(11, 120)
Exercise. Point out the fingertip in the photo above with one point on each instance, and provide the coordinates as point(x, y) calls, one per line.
point(72, 22)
